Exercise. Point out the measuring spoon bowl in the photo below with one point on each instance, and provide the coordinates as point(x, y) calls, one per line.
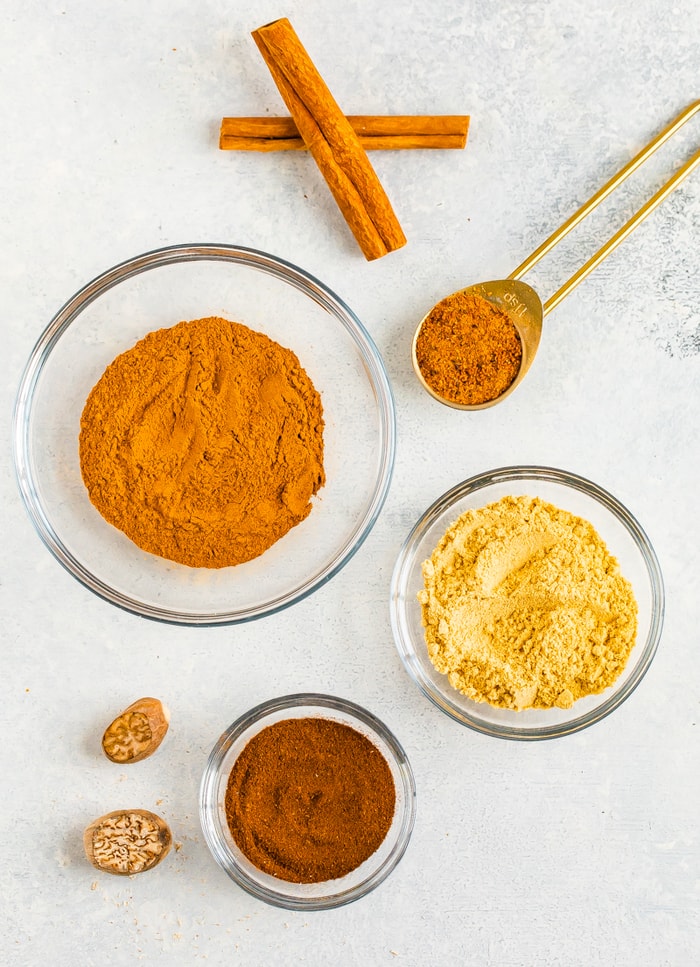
point(524, 309)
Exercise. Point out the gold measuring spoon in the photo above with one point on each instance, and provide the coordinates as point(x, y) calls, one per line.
point(522, 304)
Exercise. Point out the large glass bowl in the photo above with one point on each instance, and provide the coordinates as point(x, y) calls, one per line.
point(305, 896)
point(624, 538)
point(157, 290)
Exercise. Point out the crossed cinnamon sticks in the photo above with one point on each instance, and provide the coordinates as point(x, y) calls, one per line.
point(337, 143)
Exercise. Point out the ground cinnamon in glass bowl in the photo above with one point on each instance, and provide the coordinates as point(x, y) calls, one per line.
point(307, 801)
point(203, 443)
point(281, 303)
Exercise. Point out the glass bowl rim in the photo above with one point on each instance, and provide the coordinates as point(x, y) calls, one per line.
point(548, 475)
point(283, 271)
point(314, 701)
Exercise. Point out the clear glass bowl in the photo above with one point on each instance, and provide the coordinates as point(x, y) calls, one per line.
point(305, 896)
point(625, 539)
point(157, 290)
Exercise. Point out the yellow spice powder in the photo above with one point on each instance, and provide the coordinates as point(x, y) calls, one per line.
point(524, 606)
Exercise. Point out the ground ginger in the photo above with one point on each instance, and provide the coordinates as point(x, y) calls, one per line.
point(524, 606)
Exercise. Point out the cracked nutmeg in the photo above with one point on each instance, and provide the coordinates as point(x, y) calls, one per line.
point(137, 732)
point(127, 841)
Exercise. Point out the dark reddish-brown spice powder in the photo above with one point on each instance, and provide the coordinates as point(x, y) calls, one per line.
point(468, 349)
point(309, 799)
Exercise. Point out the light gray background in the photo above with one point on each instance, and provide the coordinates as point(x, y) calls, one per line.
point(579, 851)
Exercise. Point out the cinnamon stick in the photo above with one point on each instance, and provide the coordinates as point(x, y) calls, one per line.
point(331, 140)
point(374, 132)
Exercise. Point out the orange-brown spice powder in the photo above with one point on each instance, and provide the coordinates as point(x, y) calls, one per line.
point(203, 443)
point(468, 349)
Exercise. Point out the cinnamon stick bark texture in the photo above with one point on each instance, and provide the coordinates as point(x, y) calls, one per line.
point(331, 140)
point(374, 132)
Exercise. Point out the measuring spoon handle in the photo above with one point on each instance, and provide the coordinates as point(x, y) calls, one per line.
point(603, 193)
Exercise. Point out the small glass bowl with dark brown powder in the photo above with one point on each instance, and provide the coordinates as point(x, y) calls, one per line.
point(307, 802)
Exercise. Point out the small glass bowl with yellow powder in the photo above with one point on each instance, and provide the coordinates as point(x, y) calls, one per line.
point(204, 434)
point(307, 801)
point(527, 603)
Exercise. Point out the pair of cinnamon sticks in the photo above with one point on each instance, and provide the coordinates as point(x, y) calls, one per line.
point(337, 143)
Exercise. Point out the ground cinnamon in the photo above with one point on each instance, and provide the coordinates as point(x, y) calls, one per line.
point(309, 799)
point(203, 443)
point(468, 350)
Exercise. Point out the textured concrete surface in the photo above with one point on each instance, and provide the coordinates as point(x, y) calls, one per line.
point(582, 851)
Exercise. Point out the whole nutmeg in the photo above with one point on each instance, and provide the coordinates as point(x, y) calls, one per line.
point(127, 841)
point(137, 732)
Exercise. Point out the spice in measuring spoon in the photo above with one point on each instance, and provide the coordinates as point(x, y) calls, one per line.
point(457, 363)
point(468, 350)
